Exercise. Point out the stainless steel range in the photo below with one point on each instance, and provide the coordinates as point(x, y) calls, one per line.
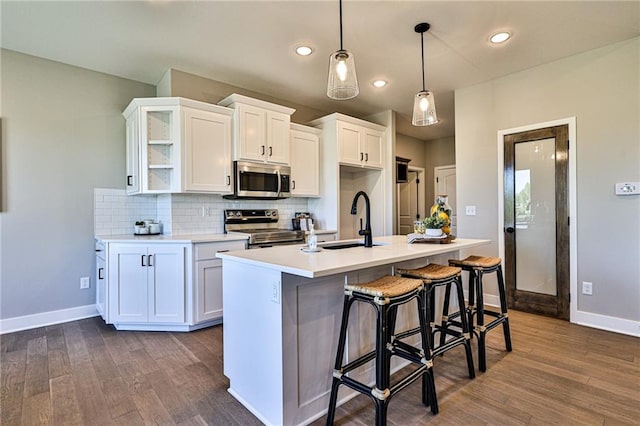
point(262, 227)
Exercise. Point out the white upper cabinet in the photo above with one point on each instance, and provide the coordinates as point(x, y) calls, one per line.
point(260, 130)
point(177, 145)
point(305, 161)
point(358, 142)
point(208, 167)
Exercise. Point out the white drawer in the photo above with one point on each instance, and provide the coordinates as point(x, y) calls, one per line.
point(205, 251)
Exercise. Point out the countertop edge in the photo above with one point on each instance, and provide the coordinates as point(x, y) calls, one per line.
point(176, 239)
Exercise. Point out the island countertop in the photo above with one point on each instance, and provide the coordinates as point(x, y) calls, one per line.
point(292, 260)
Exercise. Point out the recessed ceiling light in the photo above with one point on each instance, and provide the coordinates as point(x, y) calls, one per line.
point(379, 83)
point(500, 37)
point(304, 50)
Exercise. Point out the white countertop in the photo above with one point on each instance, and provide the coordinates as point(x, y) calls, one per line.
point(292, 260)
point(183, 239)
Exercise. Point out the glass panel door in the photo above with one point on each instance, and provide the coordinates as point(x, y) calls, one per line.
point(535, 216)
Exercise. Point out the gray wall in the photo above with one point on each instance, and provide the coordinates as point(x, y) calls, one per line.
point(63, 135)
point(601, 88)
point(411, 148)
point(191, 86)
point(438, 152)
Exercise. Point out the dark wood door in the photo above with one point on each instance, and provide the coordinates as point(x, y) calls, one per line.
point(536, 221)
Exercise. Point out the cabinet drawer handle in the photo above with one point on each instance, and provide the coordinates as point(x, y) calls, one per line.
point(366, 157)
point(270, 151)
point(142, 257)
point(262, 150)
point(100, 271)
point(129, 180)
point(149, 260)
point(293, 184)
point(361, 156)
point(228, 180)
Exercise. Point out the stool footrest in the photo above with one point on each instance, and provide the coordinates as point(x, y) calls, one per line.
point(449, 345)
point(358, 362)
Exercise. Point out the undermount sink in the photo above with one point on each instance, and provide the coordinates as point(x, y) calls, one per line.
point(349, 244)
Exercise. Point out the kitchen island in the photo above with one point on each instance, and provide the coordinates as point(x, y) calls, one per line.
point(282, 310)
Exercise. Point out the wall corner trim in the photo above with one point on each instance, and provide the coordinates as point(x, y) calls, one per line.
point(9, 325)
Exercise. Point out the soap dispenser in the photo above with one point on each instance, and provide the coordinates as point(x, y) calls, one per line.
point(312, 239)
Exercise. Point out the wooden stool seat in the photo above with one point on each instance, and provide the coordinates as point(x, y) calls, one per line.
point(477, 262)
point(385, 294)
point(431, 272)
point(387, 286)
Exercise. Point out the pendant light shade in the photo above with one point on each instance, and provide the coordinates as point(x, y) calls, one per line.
point(342, 82)
point(424, 103)
point(424, 109)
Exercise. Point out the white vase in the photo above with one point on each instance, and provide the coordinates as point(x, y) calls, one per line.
point(433, 232)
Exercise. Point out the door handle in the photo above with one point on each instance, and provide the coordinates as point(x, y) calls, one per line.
point(361, 156)
point(129, 180)
point(228, 180)
point(510, 230)
point(270, 151)
point(262, 150)
point(366, 156)
point(293, 184)
point(142, 257)
point(100, 271)
point(149, 260)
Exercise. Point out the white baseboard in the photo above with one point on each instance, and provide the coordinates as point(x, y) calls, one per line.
point(588, 319)
point(9, 325)
point(603, 322)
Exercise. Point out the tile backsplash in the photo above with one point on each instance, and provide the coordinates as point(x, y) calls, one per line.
point(180, 214)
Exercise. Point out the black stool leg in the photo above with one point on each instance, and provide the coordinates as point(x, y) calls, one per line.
point(445, 314)
point(429, 397)
point(471, 309)
point(466, 330)
point(503, 307)
point(482, 332)
point(335, 383)
point(383, 361)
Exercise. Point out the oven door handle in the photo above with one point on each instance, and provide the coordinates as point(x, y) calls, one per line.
point(279, 182)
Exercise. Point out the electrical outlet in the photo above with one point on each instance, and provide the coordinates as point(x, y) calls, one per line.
point(84, 282)
point(470, 210)
point(275, 292)
point(587, 288)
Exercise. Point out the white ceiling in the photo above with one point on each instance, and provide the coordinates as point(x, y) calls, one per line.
point(250, 44)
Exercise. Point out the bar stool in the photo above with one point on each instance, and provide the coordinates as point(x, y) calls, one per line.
point(434, 276)
point(385, 295)
point(478, 266)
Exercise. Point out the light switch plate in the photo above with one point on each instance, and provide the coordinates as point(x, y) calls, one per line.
point(627, 188)
point(470, 210)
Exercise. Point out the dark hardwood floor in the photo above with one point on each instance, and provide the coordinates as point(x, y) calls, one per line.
point(86, 373)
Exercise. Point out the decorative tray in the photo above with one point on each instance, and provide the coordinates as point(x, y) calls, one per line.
point(421, 239)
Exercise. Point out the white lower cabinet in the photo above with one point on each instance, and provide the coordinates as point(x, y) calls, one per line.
point(101, 280)
point(146, 284)
point(208, 280)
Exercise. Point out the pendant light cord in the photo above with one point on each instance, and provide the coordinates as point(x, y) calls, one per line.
point(341, 27)
point(422, 51)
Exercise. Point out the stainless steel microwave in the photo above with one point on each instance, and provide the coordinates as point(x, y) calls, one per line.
point(260, 181)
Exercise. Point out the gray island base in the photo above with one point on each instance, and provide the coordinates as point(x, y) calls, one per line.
point(282, 310)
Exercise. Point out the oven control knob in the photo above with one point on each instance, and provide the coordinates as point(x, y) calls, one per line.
point(229, 214)
point(274, 213)
point(267, 213)
point(238, 214)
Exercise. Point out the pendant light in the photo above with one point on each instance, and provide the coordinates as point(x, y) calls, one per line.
point(342, 83)
point(424, 104)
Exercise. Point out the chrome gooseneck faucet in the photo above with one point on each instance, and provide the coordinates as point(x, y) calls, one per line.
point(368, 238)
